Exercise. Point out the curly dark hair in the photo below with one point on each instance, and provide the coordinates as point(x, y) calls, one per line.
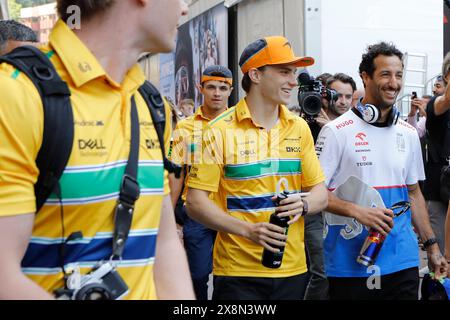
point(373, 51)
point(89, 8)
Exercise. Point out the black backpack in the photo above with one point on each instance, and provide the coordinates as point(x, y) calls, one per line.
point(58, 118)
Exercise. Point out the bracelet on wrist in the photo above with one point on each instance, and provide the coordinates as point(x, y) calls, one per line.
point(428, 243)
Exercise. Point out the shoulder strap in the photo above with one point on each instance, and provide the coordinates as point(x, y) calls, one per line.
point(155, 105)
point(58, 133)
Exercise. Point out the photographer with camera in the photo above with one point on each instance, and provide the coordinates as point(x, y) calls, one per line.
point(97, 221)
point(321, 104)
point(333, 100)
point(417, 115)
point(438, 154)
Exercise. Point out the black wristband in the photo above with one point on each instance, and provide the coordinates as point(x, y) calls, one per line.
point(429, 242)
point(305, 208)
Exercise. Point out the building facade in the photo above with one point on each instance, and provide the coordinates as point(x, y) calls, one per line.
point(41, 19)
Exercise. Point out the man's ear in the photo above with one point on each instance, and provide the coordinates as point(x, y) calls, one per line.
point(254, 75)
point(199, 87)
point(364, 77)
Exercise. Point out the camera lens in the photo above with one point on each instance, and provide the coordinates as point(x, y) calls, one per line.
point(94, 291)
point(312, 104)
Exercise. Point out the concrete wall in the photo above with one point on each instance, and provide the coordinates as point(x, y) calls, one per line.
point(260, 18)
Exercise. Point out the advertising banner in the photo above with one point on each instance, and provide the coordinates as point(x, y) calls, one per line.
point(203, 41)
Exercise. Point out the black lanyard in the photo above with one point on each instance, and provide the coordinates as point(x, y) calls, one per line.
point(129, 190)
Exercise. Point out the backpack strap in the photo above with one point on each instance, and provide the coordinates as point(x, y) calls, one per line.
point(58, 132)
point(155, 105)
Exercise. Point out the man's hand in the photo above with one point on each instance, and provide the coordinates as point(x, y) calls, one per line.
point(322, 118)
point(267, 235)
point(437, 262)
point(380, 219)
point(418, 105)
point(422, 107)
point(291, 206)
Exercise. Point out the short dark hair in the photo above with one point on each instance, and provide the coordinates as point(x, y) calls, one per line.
point(247, 82)
point(324, 77)
point(373, 51)
point(89, 8)
point(16, 31)
point(342, 77)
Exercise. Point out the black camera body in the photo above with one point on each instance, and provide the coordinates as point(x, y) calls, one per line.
point(310, 94)
point(102, 283)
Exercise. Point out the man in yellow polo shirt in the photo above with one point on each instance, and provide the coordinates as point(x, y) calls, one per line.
point(246, 150)
point(216, 86)
point(103, 76)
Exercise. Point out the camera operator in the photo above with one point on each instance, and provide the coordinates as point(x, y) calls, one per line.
point(438, 152)
point(345, 86)
point(336, 99)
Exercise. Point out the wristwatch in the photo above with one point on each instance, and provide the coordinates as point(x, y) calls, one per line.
point(429, 242)
point(305, 207)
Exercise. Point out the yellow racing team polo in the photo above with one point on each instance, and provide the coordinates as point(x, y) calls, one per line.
point(187, 142)
point(91, 181)
point(243, 162)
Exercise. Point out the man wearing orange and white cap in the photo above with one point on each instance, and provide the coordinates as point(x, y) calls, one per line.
point(216, 86)
point(246, 151)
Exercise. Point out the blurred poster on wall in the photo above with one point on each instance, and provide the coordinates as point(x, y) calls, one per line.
point(203, 41)
point(166, 72)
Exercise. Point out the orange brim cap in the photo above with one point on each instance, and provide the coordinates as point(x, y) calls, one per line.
point(275, 50)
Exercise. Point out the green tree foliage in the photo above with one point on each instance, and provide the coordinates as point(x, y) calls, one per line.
point(14, 9)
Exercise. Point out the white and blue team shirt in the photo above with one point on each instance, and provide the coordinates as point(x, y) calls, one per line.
point(387, 159)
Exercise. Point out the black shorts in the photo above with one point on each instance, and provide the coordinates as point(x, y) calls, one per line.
point(258, 288)
point(401, 285)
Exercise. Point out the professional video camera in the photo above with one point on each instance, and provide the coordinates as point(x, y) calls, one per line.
point(310, 95)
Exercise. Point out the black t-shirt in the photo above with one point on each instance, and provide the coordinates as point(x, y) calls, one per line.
point(438, 146)
point(315, 129)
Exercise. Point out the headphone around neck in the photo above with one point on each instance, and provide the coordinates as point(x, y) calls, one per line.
point(371, 114)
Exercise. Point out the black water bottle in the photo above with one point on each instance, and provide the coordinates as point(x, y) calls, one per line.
point(273, 259)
